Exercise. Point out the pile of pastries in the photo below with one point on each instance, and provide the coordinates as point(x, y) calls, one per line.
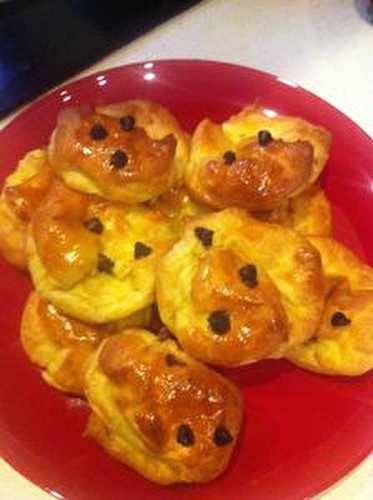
point(156, 256)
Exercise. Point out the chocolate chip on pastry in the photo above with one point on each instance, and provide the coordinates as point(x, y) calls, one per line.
point(92, 274)
point(253, 161)
point(343, 343)
point(128, 152)
point(171, 423)
point(258, 290)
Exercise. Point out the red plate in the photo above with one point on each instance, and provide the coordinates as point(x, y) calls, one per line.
point(302, 431)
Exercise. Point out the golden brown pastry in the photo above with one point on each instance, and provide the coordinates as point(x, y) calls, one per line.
point(92, 259)
point(63, 346)
point(22, 192)
point(254, 162)
point(343, 344)
point(178, 207)
point(159, 411)
point(254, 119)
point(235, 290)
point(128, 152)
point(309, 213)
point(157, 121)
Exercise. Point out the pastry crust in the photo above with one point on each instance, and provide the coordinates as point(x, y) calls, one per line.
point(178, 206)
point(159, 411)
point(256, 178)
point(345, 348)
point(95, 274)
point(158, 122)
point(63, 346)
point(309, 213)
point(131, 163)
point(22, 192)
point(252, 119)
point(280, 308)
point(254, 161)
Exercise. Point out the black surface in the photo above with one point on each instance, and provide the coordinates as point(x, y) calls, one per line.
point(43, 42)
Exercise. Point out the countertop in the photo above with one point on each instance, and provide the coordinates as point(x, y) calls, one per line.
point(324, 45)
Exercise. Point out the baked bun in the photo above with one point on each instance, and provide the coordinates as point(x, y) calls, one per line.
point(254, 161)
point(222, 173)
point(92, 259)
point(159, 411)
point(254, 119)
point(63, 346)
point(129, 152)
point(309, 213)
point(235, 290)
point(22, 192)
point(157, 121)
point(343, 344)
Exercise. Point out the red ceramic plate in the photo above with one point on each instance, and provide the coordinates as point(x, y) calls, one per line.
point(302, 431)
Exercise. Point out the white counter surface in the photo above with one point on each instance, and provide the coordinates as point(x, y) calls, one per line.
point(323, 45)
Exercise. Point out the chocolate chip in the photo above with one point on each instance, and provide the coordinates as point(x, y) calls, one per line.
point(339, 319)
point(98, 132)
point(222, 436)
point(104, 264)
point(94, 225)
point(185, 435)
point(264, 138)
point(229, 157)
point(249, 275)
point(219, 322)
point(172, 360)
point(127, 123)
point(119, 159)
point(204, 235)
point(141, 250)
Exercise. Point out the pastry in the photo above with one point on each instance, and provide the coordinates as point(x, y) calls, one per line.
point(235, 290)
point(254, 162)
point(343, 344)
point(159, 411)
point(178, 207)
point(309, 213)
point(92, 259)
point(129, 152)
point(253, 119)
point(63, 346)
point(22, 192)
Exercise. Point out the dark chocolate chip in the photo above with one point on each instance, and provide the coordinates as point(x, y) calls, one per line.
point(222, 436)
point(339, 319)
point(264, 138)
point(119, 159)
point(127, 123)
point(104, 264)
point(185, 435)
point(94, 225)
point(98, 132)
point(219, 322)
point(249, 275)
point(141, 250)
point(204, 235)
point(172, 360)
point(229, 157)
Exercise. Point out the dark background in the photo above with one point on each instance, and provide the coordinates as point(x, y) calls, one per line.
point(43, 42)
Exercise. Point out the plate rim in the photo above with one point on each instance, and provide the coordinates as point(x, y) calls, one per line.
point(112, 69)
